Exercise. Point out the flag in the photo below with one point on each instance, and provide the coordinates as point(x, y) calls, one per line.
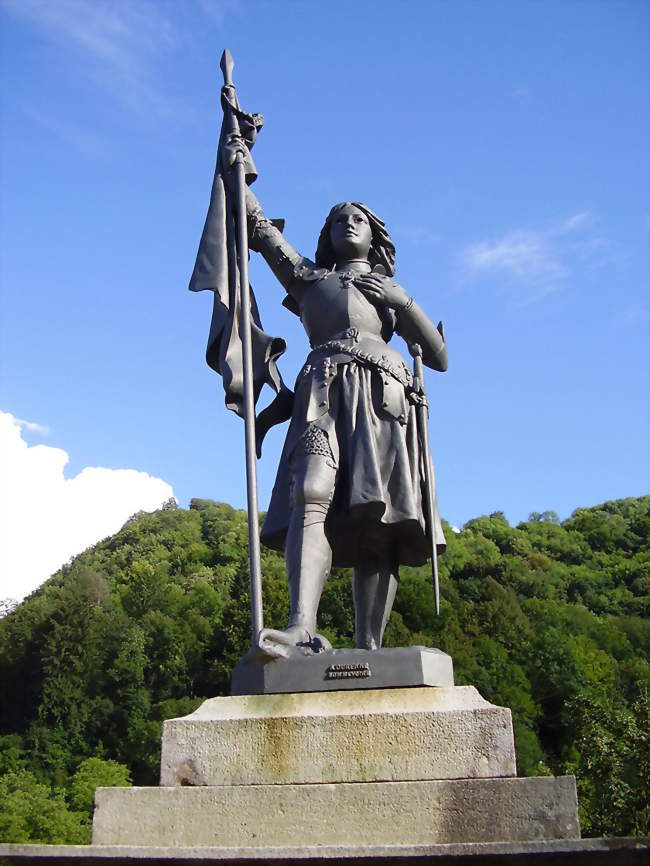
point(217, 269)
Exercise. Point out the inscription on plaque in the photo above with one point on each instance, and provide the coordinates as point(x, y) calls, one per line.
point(359, 671)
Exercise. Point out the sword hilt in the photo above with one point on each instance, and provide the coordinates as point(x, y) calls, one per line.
point(418, 370)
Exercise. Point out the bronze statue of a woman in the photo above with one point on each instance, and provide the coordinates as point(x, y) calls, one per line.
point(350, 485)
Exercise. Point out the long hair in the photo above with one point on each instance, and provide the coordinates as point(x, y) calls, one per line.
point(382, 248)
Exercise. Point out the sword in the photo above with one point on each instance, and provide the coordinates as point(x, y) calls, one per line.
point(422, 416)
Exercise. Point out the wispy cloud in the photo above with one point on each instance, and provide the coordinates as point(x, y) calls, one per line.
point(122, 42)
point(578, 220)
point(32, 426)
point(533, 262)
point(634, 315)
point(523, 254)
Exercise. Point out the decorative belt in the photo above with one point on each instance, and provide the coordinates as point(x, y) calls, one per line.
point(400, 372)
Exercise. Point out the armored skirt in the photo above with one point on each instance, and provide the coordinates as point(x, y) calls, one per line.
point(359, 418)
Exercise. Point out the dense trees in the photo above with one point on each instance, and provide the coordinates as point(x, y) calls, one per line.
point(547, 618)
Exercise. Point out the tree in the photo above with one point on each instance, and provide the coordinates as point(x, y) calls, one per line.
point(33, 812)
point(95, 773)
point(613, 766)
point(548, 618)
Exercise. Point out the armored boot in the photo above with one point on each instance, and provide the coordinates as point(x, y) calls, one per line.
point(374, 588)
point(308, 553)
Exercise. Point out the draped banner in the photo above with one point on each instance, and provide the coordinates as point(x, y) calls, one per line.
point(217, 269)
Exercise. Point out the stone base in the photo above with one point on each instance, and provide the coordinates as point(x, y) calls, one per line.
point(355, 769)
point(338, 670)
point(361, 736)
point(361, 814)
point(630, 851)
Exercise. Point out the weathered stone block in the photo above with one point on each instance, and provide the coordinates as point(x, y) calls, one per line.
point(378, 813)
point(362, 736)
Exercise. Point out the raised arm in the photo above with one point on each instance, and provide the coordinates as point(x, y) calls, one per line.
point(265, 237)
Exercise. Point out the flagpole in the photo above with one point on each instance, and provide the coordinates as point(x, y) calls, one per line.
point(227, 64)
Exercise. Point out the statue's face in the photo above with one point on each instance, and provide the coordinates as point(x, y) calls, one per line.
point(350, 233)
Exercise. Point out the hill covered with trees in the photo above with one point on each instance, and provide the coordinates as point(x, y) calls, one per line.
point(548, 618)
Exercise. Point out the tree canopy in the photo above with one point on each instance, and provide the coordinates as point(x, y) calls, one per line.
point(549, 618)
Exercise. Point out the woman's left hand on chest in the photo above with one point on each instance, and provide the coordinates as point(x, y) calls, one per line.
point(381, 289)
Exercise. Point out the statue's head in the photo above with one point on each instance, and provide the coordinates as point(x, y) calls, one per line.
point(352, 230)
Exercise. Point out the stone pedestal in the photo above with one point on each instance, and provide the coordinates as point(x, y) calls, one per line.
point(361, 814)
point(369, 736)
point(416, 766)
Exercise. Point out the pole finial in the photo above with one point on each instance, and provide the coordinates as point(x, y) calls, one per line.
point(227, 65)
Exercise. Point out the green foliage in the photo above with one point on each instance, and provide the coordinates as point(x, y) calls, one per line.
point(96, 773)
point(613, 765)
point(34, 812)
point(548, 618)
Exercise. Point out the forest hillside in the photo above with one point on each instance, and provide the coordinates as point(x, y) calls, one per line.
point(548, 618)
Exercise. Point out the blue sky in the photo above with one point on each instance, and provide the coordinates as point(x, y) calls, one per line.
point(504, 143)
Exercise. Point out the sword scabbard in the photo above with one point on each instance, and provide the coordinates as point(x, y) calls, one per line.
point(422, 415)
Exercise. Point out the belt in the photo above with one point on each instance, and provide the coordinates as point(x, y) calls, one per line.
point(340, 343)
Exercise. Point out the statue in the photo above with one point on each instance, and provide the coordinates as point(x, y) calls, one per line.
point(355, 479)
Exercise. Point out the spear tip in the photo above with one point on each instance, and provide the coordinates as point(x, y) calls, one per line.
point(227, 65)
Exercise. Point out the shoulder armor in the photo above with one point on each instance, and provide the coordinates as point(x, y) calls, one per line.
point(308, 273)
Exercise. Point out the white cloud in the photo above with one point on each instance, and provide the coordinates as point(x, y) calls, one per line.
point(523, 254)
point(122, 41)
point(41, 429)
point(532, 261)
point(576, 221)
point(46, 518)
